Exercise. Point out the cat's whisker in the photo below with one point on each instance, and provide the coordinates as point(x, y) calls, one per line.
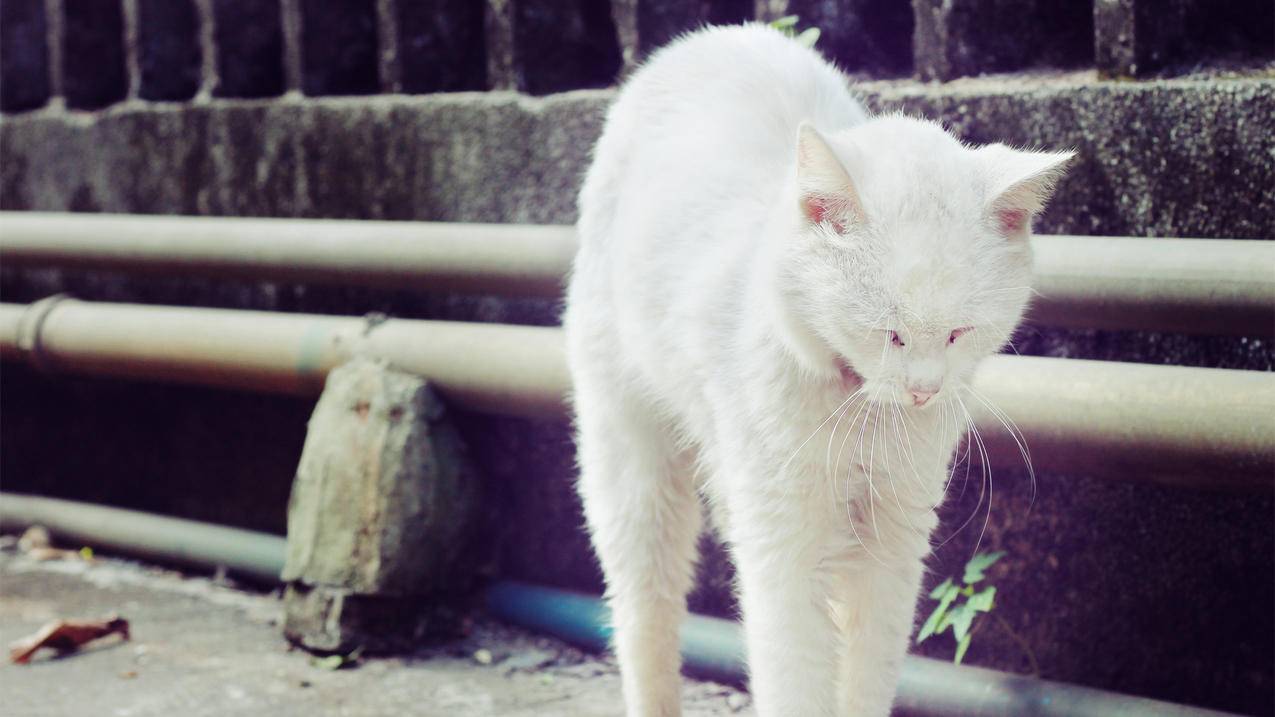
point(951, 420)
point(863, 407)
point(1012, 428)
point(1006, 289)
point(987, 472)
point(784, 468)
point(872, 414)
point(971, 431)
point(850, 503)
point(896, 421)
point(842, 410)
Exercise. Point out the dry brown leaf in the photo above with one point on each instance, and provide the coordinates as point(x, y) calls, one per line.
point(66, 635)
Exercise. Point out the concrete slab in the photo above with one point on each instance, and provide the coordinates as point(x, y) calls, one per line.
point(206, 648)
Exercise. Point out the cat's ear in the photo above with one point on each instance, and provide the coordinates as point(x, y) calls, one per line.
point(826, 192)
point(1021, 183)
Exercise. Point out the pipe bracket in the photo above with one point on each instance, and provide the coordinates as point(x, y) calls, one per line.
point(30, 330)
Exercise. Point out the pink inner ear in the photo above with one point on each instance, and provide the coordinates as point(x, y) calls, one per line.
point(817, 209)
point(1012, 221)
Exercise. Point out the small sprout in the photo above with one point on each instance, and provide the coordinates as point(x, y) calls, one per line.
point(483, 656)
point(957, 613)
point(787, 23)
point(808, 37)
point(788, 26)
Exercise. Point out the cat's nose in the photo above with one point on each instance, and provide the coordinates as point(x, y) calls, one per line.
point(921, 397)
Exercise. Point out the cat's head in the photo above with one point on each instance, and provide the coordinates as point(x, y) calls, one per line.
point(911, 259)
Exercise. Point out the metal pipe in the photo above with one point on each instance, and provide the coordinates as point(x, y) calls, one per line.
point(513, 370)
point(1204, 286)
point(1201, 427)
point(710, 646)
point(1195, 286)
point(169, 540)
point(428, 256)
point(1191, 426)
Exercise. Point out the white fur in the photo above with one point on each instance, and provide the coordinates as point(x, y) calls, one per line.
point(712, 326)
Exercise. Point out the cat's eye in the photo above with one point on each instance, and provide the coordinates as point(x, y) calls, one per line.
point(958, 333)
point(894, 339)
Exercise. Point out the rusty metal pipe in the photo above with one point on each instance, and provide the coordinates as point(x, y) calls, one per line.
point(1202, 286)
point(1190, 426)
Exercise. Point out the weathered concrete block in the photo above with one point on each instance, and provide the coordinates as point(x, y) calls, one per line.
point(381, 512)
point(1138, 37)
point(94, 73)
point(338, 47)
point(328, 619)
point(956, 38)
point(859, 35)
point(168, 51)
point(565, 45)
point(24, 55)
point(249, 39)
point(441, 46)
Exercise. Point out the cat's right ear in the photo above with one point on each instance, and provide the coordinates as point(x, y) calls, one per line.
point(826, 192)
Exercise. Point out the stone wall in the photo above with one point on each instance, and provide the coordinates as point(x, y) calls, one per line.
point(209, 107)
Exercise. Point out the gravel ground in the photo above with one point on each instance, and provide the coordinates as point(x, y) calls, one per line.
point(202, 647)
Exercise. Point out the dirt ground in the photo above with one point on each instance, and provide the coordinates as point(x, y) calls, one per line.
point(203, 647)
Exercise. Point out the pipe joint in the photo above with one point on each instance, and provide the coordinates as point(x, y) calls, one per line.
point(30, 336)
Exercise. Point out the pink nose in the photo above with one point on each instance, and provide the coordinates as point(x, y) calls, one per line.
point(920, 398)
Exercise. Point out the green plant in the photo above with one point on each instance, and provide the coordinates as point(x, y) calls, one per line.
point(788, 26)
point(960, 603)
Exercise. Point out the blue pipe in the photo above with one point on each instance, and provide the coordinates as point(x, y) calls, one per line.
point(713, 648)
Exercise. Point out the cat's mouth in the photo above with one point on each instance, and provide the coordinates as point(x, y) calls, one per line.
point(849, 379)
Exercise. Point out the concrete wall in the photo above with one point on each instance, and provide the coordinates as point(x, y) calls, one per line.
point(1127, 586)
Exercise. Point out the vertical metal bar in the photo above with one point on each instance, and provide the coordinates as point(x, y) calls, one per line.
point(389, 61)
point(55, 23)
point(209, 70)
point(293, 53)
point(132, 36)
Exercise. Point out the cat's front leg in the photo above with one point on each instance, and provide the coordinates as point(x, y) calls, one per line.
point(790, 636)
point(875, 609)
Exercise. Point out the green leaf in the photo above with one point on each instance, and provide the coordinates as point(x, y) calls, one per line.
point(936, 623)
point(931, 623)
point(960, 617)
point(984, 600)
point(808, 37)
point(961, 647)
point(937, 592)
point(787, 22)
point(974, 569)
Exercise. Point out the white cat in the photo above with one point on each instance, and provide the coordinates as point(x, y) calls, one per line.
point(776, 305)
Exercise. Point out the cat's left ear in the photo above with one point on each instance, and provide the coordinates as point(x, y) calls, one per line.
point(1021, 182)
point(827, 193)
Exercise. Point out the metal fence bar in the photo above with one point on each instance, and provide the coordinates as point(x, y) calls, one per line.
point(1192, 426)
point(1203, 286)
